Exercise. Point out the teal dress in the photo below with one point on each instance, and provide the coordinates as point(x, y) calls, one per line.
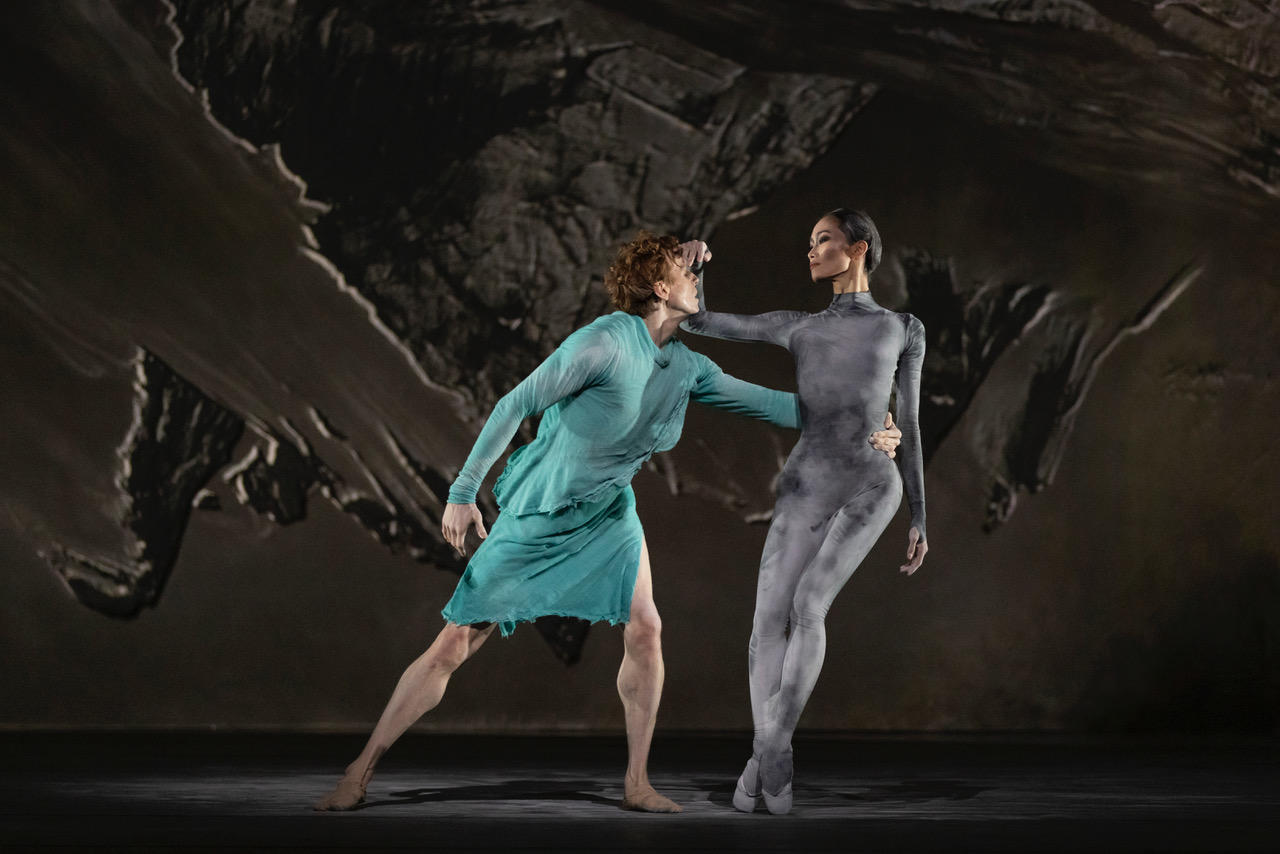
point(567, 539)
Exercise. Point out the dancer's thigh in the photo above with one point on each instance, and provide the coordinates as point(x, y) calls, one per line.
point(853, 530)
point(795, 536)
point(642, 604)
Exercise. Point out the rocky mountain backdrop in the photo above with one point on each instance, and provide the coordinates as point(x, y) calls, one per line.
point(265, 265)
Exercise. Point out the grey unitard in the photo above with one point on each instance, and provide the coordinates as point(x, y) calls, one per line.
point(836, 493)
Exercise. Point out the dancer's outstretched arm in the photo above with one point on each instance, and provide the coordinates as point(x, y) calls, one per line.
point(773, 327)
point(909, 365)
point(584, 359)
point(718, 389)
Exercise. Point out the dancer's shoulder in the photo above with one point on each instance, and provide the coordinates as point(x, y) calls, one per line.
point(910, 322)
point(605, 328)
point(599, 342)
point(912, 329)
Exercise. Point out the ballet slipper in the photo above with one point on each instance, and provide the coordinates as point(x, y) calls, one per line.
point(746, 795)
point(778, 801)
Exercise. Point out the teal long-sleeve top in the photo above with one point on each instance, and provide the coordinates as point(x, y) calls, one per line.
point(612, 398)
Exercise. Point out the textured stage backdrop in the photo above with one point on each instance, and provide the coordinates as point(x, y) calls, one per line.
point(266, 264)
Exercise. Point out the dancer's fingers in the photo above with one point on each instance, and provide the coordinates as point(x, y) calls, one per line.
point(884, 441)
point(913, 537)
point(890, 433)
point(457, 520)
point(889, 439)
point(690, 251)
point(917, 559)
point(694, 252)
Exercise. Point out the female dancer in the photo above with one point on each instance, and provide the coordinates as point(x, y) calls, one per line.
point(568, 540)
point(835, 494)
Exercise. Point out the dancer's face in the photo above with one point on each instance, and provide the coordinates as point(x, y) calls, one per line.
point(682, 287)
point(830, 252)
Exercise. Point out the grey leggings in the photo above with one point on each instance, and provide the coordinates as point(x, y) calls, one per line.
point(836, 493)
point(808, 556)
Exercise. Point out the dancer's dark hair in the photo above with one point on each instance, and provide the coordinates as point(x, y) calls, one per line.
point(856, 226)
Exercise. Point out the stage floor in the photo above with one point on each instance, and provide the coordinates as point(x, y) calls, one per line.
point(241, 792)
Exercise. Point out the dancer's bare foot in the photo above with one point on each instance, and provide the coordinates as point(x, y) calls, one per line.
point(347, 795)
point(643, 798)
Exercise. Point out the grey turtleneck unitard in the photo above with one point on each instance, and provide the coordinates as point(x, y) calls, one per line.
point(836, 493)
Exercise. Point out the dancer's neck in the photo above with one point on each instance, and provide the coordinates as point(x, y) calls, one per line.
point(663, 322)
point(854, 281)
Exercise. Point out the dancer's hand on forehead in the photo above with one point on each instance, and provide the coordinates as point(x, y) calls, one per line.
point(694, 252)
point(458, 519)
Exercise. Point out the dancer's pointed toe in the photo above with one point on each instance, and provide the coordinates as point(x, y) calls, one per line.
point(776, 771)
point(779, 804)
point(746, 795)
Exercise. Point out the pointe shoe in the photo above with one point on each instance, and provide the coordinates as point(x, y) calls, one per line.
point(347, 795)
point(778, 803)
point(746, 795)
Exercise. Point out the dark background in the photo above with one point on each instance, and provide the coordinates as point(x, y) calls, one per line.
point(245, 349)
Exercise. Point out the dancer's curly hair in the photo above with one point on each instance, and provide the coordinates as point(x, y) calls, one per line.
point(639, 264)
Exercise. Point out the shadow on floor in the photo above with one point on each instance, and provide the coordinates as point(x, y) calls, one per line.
point(508, 790)
point(916, 790)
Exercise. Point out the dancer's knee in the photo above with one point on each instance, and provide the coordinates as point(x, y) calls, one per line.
point(451, 648)
point(769, 622)
point(808, 613)
point(643, 634)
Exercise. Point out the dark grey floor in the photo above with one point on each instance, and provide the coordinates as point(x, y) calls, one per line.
point(240, 792)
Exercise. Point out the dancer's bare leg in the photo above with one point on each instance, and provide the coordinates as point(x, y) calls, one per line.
point(419, 691)
point(640, 686)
